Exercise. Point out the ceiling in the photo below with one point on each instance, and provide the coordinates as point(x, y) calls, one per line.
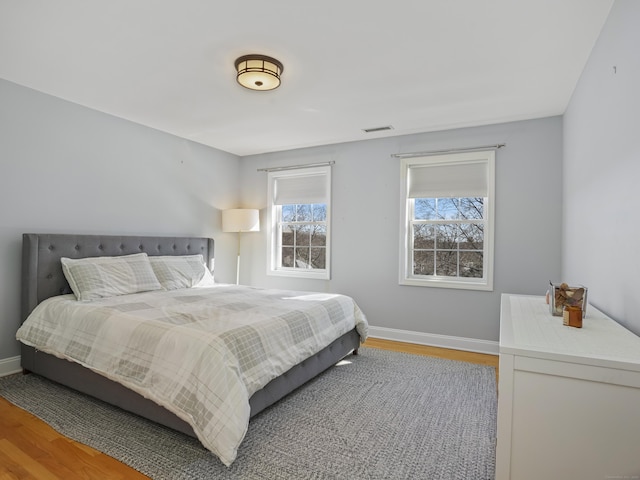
point(349, 65)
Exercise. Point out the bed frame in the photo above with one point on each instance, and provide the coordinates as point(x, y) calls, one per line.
point(42, 278)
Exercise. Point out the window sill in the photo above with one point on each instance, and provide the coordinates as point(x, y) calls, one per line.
point(442, 283)
point(318, 275)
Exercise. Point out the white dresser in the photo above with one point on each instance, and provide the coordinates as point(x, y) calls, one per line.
point(568, 398)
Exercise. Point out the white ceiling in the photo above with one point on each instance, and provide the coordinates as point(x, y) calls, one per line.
point(418, 65)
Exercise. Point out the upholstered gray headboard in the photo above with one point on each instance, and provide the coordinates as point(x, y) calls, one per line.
point(42, 275)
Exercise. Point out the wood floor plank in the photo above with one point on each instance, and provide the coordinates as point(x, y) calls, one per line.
point(45, 453)
point(28, 464)
point(31, 450)
point(10, 466)
point(438, 352)
point(58, 456)
point(447, 353)
point(8, 476)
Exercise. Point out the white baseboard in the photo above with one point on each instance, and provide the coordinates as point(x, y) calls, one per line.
point(9, 366)
point(435, 340)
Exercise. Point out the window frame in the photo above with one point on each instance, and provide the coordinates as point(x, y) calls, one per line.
point(406, 275)
point(274, 216)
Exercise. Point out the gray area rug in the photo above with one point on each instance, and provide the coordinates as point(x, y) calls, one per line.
point(379, 415)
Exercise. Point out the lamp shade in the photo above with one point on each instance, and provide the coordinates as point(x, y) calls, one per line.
point(241, 220)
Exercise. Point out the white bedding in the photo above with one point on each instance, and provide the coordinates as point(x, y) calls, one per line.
point(199, 352)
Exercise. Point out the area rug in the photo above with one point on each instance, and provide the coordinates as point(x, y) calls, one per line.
point(378, 415)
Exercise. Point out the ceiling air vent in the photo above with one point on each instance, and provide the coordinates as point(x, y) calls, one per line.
point(377, 129)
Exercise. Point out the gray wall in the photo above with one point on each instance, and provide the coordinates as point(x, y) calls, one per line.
point(602, 171)
point(69, 169)
point(366, 221)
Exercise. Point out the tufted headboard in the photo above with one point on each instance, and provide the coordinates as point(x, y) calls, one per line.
point(42, 275)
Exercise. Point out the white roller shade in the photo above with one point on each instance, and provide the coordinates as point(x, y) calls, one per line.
point(468, 179)
point(301, 189)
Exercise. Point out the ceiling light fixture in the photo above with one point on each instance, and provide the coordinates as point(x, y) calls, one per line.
point(258, 72)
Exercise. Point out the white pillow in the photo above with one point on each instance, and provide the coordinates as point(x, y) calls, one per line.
point(98, 277)
point(181, 271)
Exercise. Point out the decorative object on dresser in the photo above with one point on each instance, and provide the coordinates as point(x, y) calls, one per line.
point(561, 295)
point(572, 316)
point(569, 399)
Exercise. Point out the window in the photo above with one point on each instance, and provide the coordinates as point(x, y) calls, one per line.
point(299, 227)
point(447, 221)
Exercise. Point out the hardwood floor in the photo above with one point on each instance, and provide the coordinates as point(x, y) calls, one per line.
point(472, 357)
point(30, 449)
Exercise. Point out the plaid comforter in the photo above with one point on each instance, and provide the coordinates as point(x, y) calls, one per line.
point(199, 352)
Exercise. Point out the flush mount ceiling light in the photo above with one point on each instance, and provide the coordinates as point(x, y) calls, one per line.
point(258, 72)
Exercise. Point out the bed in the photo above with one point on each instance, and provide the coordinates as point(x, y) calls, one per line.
point(43, 279)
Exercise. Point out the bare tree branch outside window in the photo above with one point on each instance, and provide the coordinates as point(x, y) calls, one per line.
point(448, 237)
point(303, 238)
